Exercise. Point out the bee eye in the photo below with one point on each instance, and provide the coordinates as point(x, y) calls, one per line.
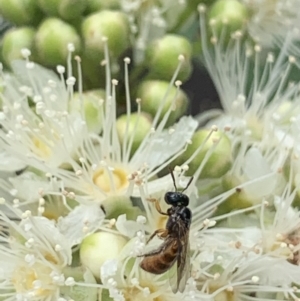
point(169, 198)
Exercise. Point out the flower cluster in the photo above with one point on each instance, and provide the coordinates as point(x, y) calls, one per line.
point(78, 180)
point(72, 168)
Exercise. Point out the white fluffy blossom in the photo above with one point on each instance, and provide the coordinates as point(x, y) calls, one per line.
point(42, 131)
point(271, 20)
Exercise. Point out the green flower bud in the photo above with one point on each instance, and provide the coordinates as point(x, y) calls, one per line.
point(162, 57)
point(137, 126)
point(52, 39)
point(112, 25)
point(220, 160)
point(227, 16)
point(50, 7)
point(96, 248)
point(239, 200)
point(96, 5)
point(153, 93)
point(71, 9)
point(21, 12)
point(67, 9)
point(91, 106)
point(14, 41)
point(118, 205)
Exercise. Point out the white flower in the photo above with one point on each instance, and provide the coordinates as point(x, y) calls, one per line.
point(46, 133)
point(261, 172)
point(57, 142)
point(123, 277)
point(35, 261)
point(32, 258)
point(261, 110)
point(80, 222)
point(258, 104)
point(280, 236)
point(270, 20)
point(231, 263)
point(43, 196)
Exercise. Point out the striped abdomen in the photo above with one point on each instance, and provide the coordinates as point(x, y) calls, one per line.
point(160, 262)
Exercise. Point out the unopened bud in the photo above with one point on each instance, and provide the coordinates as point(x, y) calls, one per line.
point(91, 102)
point(218, 162)
point(164, 54)
point(228, 16)
point(52, 39)
point(14, 41)
point(133, 127)
point(113, 25)
point(153, 93)
point(99, 247)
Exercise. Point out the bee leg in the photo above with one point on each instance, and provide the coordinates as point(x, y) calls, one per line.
point(157, 206)
point(161, 233)
point(159, 250)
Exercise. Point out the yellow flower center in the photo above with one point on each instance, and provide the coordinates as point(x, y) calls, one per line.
point(54, 207)
point(41, 148)
point(135, 294)
point(110, 181)
point(25, 279)
point(51, 215)
point(224, 295)
point(256, 127)
point(284, 248)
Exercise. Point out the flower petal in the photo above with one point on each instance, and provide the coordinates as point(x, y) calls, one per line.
point(164, 144)
point(81, 221)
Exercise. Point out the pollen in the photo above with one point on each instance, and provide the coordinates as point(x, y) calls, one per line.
point(111, 180)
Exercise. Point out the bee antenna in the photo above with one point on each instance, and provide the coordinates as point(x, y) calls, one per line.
point(188, 184)
point(173, 178)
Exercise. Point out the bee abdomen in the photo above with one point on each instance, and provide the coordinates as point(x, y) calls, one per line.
point(159, 263)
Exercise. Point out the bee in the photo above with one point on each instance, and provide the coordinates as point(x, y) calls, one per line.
point(175, 248)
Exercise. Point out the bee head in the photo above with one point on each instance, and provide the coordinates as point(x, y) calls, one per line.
point(176, 199)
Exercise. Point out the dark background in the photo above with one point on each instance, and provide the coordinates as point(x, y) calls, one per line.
point(201, 91)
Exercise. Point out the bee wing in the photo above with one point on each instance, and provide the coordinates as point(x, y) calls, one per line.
point(178, 275)
point(183, 265)
point(173, 275)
